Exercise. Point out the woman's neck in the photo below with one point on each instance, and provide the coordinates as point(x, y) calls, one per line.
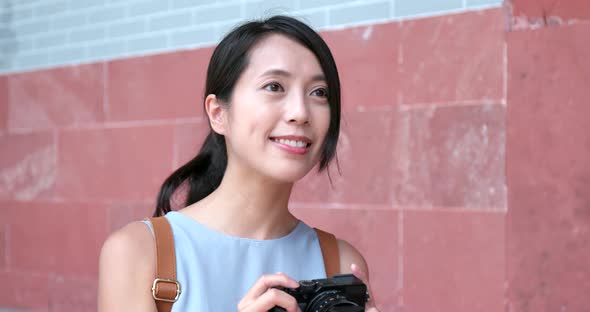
point(247, 206)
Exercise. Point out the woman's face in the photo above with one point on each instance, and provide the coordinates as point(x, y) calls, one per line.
point(279, 113)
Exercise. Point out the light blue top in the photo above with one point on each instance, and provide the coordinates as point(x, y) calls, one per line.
point(216, 270)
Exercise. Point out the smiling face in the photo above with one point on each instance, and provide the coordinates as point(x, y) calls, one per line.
point(278, 115)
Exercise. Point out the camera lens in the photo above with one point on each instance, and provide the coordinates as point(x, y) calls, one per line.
point(332, 301)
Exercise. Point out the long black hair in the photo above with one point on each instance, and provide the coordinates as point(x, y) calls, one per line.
point(204, 173)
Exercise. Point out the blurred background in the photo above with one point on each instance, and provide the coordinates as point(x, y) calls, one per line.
point(464, 151)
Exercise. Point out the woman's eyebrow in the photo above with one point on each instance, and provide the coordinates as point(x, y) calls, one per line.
point(284, 73)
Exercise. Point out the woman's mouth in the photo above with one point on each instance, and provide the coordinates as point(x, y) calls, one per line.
point(293, 145)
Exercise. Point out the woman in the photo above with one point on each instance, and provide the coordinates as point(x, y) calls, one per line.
point(273, 104)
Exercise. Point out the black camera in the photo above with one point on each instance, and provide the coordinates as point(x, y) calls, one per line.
point(341, 293)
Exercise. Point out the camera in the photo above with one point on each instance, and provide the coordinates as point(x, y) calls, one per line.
point(341, 293)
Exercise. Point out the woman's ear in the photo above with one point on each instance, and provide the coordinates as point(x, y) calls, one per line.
point(216, 113)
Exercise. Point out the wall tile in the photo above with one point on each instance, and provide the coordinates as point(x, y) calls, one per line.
point(456, 57)
point(548, 147)
point(62, 97)
point(114, 164)
point(157, 87)
point(453, 261)
point(451, 156)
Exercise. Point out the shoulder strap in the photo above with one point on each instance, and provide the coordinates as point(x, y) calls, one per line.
point(329, 246)
point(165, 288)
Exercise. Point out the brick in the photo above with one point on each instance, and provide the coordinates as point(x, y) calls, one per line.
point(476, 3)
point(264, 9)
point(360, 13)
point(316, 19)
point(127, 28)
point(367, 64)
point(34, 27)
point(109, 49)
point(193, 37)
point(148, 7)
point(410, 8)
point(57, 244)
point(170, 21)
point(365, 160)
point(26, 290)
point(453, 261)
point(51, 8)
point(28, 166)
point(314, 4)
point(188, 139)
point(68, 55)
point(50, 40)
point(455, 57)
point(450, 157)
point(68, 21)
point(183, 4)
point(58, 97)
point(218, 13)
point(96, 33)
point(32, 60)
point(147, 44)
point(547, 169)
point(115, 163)
point(374, 233)
point(547, 11)
point(61, 298)
point(160, 86)
point(85, 4)
point(106, 14)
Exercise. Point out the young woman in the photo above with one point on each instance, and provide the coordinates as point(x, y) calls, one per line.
point(272, 98)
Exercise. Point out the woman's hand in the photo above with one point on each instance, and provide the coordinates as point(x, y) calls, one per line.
point(262, 297)
point(358, 272)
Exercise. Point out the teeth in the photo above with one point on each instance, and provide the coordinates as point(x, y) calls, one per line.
point(299, 144)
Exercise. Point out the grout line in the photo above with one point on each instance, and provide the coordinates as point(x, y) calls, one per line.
point(400, 260)
point(505, 82)
point(414, 106)
point(105, 91)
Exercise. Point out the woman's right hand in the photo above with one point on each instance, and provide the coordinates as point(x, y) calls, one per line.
point(263, 297)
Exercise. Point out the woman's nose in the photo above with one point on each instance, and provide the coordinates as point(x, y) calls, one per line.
point(297, 111)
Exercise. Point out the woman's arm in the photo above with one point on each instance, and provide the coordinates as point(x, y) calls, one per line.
point(127, 270)
point(352, 262)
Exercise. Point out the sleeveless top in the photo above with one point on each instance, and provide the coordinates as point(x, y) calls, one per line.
point(216, 270)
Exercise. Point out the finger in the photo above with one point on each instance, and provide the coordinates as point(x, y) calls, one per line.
point(267, 281)
point(274, 297)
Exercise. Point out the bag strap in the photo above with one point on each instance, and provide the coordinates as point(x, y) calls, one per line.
point(165, 288)
point(330, 252)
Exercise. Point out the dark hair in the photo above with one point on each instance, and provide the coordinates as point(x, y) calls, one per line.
point(204, 173)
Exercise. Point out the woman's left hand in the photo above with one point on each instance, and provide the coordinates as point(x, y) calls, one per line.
point(358, 272)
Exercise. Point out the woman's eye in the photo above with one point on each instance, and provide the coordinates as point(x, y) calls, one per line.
point(320, 92)
point(273, 87)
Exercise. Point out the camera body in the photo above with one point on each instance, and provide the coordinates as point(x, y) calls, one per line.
point(343, 292)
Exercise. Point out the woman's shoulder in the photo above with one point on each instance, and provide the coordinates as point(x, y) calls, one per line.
point(134, 241)
point(350, 255)
point(127, 267)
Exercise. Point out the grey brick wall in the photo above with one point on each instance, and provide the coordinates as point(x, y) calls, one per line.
point(37, 34)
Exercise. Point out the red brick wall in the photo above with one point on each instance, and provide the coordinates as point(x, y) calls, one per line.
point(548, 157)
point(444, 153)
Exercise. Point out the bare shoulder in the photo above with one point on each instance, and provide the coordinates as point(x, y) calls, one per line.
point(350, 255)
point(127, 269)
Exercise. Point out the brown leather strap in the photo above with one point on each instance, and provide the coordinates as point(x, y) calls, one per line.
point(165, 288)
point(329, 246)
